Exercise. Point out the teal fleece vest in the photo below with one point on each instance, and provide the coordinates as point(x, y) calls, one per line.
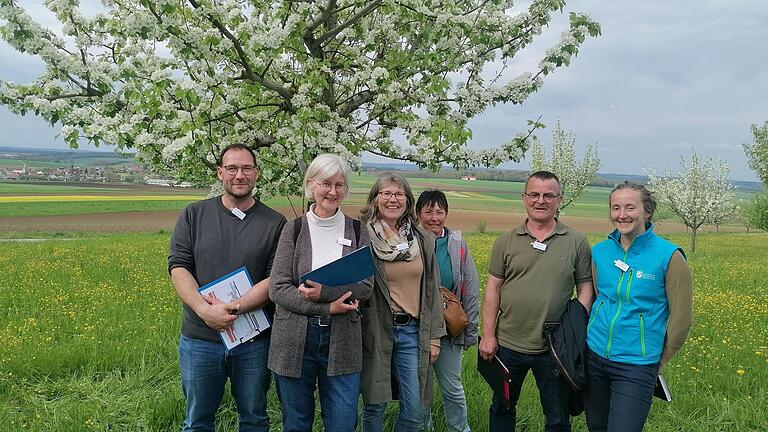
point(629, 316)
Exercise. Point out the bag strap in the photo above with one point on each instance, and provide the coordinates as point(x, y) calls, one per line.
point(356, 227)
point(296, 230)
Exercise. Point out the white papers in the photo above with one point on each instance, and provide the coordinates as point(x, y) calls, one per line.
point(229, 288)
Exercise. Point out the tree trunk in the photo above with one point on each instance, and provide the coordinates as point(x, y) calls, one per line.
point(693, 239)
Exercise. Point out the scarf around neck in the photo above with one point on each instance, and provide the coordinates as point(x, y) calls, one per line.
point(385, 241)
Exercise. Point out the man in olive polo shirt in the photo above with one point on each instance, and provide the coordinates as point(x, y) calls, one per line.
point(531, 276)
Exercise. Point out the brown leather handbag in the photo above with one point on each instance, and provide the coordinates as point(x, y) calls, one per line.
point(455, 318)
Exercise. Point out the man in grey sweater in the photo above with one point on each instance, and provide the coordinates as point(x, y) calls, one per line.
point(212, 238)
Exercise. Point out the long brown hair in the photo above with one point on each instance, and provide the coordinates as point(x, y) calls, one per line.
point(370, 212)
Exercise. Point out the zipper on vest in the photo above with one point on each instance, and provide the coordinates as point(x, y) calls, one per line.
point(618, 309)
point(642, 334)
point(629, 282)
point(593, 317)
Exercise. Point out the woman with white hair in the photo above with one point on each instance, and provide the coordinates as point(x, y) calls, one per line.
point(316, 334)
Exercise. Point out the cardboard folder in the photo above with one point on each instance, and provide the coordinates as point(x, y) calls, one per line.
point(346, 270)
point(496, 375)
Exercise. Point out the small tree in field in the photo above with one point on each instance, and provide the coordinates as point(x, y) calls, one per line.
point(723, 214)
point(755, 213)
point(757, 152)
point(178, 80)
point(698, 194)
point(574, 176)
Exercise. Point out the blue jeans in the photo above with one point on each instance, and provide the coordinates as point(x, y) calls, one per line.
point(553, 392)
point(405, 372)
point(617, 396)
point(338, 394)
point(205, 367)
point(448, 374)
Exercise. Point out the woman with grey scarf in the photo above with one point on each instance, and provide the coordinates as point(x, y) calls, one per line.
point(402, 321)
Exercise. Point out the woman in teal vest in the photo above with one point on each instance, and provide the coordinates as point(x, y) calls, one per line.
point(641, 316)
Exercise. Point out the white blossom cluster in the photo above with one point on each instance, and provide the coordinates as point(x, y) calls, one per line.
point(574, 176)
point(177, 81)
point(701, 193)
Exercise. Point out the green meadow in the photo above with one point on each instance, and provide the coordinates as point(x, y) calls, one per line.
point(89, 329)
point(20, 199)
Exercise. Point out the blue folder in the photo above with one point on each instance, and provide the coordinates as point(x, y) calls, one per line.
point(346, 270)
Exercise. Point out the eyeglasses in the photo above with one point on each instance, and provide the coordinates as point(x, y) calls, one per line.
point(233, 169)
point(326, 187)
point(387, 195)
point(547, 197)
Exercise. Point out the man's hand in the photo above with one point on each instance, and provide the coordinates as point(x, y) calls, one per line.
point(434, 352)
point(218, 315)
point(488, 347)
point(310, 290)
point(339, 306)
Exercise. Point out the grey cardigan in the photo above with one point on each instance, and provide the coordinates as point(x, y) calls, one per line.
point(465, 285)
point(289, 329)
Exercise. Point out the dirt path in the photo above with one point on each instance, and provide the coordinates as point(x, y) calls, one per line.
point(465, 220)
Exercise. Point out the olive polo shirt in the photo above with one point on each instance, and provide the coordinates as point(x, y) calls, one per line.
point(537, 284)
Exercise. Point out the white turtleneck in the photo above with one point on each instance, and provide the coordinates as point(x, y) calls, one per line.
point(325, 235)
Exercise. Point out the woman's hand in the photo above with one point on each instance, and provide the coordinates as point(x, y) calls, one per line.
point(341, 305)
point(434, 352)
point(310, 290)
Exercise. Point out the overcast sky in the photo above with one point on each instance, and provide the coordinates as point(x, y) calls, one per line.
point(664, 77)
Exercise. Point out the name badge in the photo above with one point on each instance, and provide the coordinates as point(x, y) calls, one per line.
point(239, 213)
point(345, 242)
point(539, 246)
point(402, 247)
point(621, 265)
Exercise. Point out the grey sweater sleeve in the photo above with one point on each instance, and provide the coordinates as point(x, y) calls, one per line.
point(181, 250)
point(282, 290)
point(470, 296)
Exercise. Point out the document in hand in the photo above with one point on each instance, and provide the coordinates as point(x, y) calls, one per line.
point(662, 389)
point(229, 288)
point(348, 269)
point(496, 375)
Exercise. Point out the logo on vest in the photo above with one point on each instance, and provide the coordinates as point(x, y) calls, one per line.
point(643, 275)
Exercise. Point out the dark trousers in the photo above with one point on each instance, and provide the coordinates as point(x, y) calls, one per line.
point(617, 396)
point(553, 392)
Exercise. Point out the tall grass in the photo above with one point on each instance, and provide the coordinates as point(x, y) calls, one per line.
point(89, 328)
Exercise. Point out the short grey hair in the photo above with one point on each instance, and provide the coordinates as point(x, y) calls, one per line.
point(323, 167)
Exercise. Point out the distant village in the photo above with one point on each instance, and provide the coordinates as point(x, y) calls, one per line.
point(67, 165)
point(124, 173)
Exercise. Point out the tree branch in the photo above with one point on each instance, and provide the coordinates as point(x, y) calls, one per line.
point(353, 19)
point(247, 68)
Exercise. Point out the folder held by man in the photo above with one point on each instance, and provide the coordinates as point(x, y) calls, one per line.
point(496, 375)
point(346, 270)
point(662, 389)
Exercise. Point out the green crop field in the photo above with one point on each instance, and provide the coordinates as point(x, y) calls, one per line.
point(480, 195)
point(89, 329)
